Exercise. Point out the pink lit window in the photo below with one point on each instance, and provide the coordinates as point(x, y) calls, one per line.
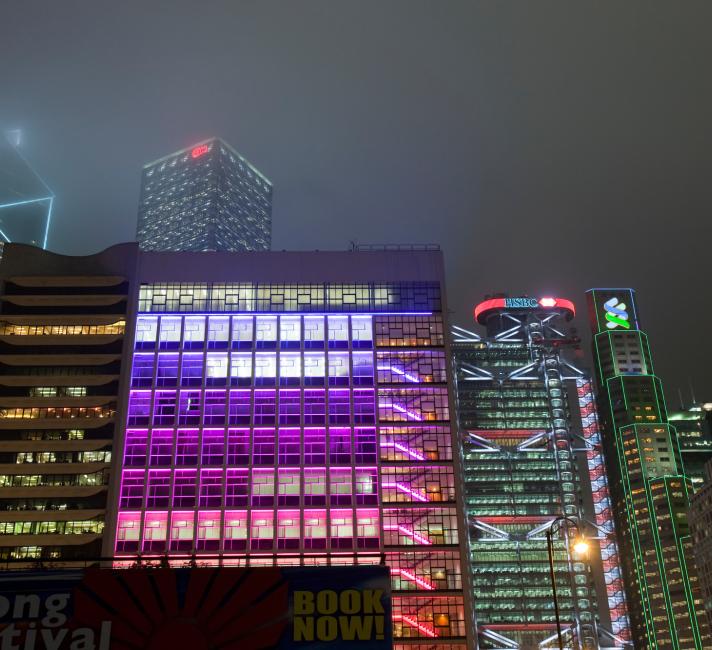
point(211, 488)
point(262, 487)
point(314, 407)
point(315, 487)
point(136, 442)
point(340, 486)
point(164, 408)
point(184, 488)
point(364, 406)
point(132, 486)
point(239, 407)
point(182, 531)
point(366, 486)
point(238, 446)
point(367, 528)
point(265, 406)
point(235, 530)
point(263, 441)
point(340, 446)
point(128, 532)
point(213, 447)
point(314, 446)
point(161, 448)
point(315, 528)
point(236, 487)
point(208, 531)
point(288, 529)
point(290, 406)
point(139, 408)
point(366, 447)
point(342, 529)
point(159, 488)
point(289, 446)
point(214, 409)
point(189, 407)
point(155, 530)
point(288, 487)
point(339, 406)
point(262, 530)
point(187, 447)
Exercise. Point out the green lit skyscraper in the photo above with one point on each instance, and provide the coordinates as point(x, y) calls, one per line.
point(649, 490)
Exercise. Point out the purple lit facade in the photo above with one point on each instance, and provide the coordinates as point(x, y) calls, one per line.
point(257, 435)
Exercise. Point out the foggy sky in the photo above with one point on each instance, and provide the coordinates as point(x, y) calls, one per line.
point(549, 147)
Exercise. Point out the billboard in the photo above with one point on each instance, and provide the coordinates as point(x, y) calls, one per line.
point(612, 310)
point(197, 608)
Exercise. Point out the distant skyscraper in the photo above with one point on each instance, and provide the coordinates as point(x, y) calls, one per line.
point(531, 448)
point(204, 198)
point(650, 492)
point(701, 530)
point(25, 199)
point(694, 432)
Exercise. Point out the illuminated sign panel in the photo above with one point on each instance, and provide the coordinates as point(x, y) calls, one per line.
point(226, 607)
point(199, 151)
point(523, 302)
point(612, 310)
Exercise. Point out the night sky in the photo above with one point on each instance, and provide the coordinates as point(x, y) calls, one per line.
point(547, 146)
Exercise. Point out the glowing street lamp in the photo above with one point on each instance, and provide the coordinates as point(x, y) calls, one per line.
point(580, 547)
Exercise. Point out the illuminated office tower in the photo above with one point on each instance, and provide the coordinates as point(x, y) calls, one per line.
point(531, 447)
point(62, 322)
point(650, 493)
point(204, 198)
point(701, 532)
point(694, 433)
point(25, 199)
point(295, 409)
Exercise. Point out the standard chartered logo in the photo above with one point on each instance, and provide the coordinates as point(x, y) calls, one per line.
point(616, 314)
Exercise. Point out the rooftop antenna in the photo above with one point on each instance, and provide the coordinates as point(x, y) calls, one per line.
point(14, 137)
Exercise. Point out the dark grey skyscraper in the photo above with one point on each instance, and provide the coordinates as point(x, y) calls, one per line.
point(204, 198)
point(25, 199)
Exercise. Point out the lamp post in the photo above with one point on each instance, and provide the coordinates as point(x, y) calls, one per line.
point(580, 546)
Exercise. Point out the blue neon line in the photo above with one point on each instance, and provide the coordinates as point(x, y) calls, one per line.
point(49, 217)
point(12, 205)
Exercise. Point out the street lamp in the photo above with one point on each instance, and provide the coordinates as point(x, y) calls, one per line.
point(580, 547)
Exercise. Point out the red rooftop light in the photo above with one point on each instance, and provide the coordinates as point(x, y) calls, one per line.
point(199, 150)
point(496, 304)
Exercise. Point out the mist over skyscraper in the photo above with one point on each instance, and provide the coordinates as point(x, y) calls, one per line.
point(204, 198)
point(25, 199)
